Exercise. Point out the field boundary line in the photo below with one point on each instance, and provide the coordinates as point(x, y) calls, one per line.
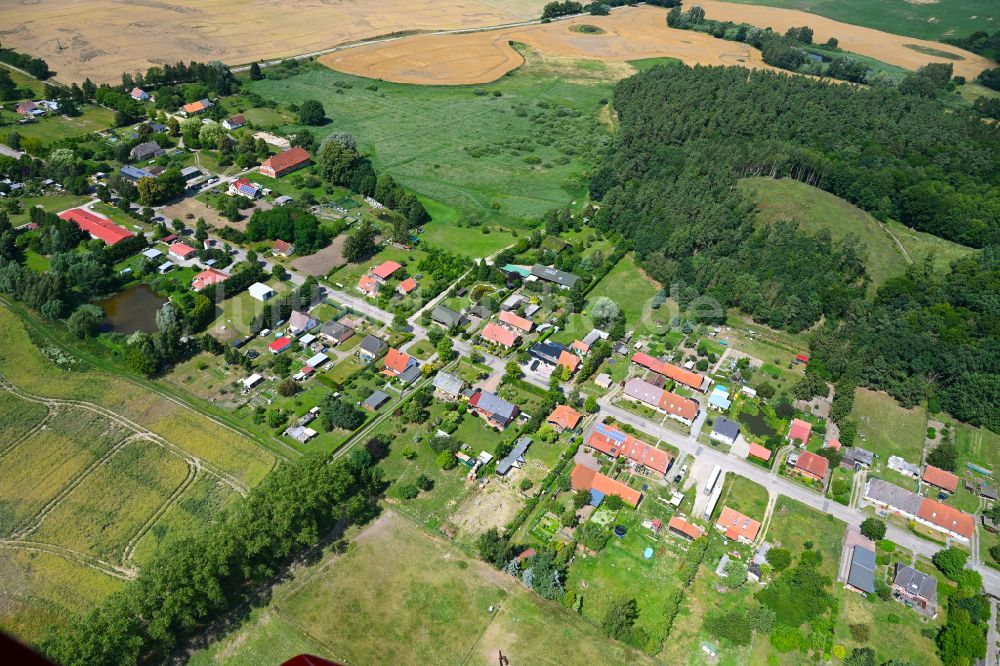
point(41, 424)
point(133, 543)
point(94, 563)
point(36, 521)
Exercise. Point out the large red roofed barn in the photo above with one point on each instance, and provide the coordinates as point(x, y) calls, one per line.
point(278, 165)
point(97, 226)
point(680, 375)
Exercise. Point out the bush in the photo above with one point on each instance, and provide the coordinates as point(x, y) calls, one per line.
point(447, 460)
point(407, 491)
point(873, 528)
point(861, 632)
point(525, 485)
point(425, 482)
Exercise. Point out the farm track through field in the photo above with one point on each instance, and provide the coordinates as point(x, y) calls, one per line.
point(114, 570)
point(41, 424)
point(130, 547)
point(129, 424)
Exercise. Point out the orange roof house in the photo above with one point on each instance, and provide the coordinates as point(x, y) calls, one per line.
point(368, 285)
point(406, 286)
point(800, 430)
point(564, 417)
point(813, 466)
point(683, 528)
point(679, 406)
point(568, 360)
point(197, 107)
point(512, 320)
point(584, 478)
point(940, 478)
point(611, 441)
point(736, 526)
point(680, 375)
point(207, 278)
point(761, 452)
point(384, 270)
point(497, 334)
point(833, 444)
point(581, 347)
point(181, 250)
point(396, 362)
point(947, 518)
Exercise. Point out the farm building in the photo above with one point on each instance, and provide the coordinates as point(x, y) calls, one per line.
point(759, 452)
point(683, 528)
point(146, 151)
point(97, 226)
point(384, 271)
point(260, 291)
point(940, 478)
point(207, 278)
point(905, 468)
point(284, 162)
point(562, 278)
point(515, 458)
point(927, 512)
point(855, 457)
point(280, 345)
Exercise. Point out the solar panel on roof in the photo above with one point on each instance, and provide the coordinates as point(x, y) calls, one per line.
point(615, 435)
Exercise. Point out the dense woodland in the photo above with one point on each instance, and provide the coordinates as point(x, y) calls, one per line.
point(668, 185)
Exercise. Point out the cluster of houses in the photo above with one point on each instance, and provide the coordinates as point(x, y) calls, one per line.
point(930, 513)
point(30, 111)
point(371, 282)
point(675, 406)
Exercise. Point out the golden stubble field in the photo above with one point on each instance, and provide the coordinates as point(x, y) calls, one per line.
point(630, 33)
point(100, 40)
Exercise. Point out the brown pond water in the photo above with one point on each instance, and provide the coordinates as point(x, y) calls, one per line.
point(132, 310)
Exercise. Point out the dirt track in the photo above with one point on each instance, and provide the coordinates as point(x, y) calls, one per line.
point(631, 33)
point(100, 40)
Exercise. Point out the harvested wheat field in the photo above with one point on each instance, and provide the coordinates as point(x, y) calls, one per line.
point(100, 40)
point(631, 33)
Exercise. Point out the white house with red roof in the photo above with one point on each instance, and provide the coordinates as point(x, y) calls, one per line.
point(799, 430)
point(207, 278)
point(139, 95)
point(244, 188)
point(182, 251)
point(282, 249)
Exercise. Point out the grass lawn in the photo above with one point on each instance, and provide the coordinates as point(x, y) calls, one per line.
point(349, 274)
point(899, 640)
point(472, 153)
point(743, 495)
point(468, 241)
point(918, 245)
point(23, 81)
point(793, 524)
point(900, 17)
point(421, 350)
point(53, 127)
point(376, 603)
point(52, 203)
point(889, 430)
point(978, 445)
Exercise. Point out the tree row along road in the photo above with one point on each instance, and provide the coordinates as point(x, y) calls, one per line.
point(783, 486)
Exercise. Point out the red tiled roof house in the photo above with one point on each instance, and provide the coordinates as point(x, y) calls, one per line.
point(290, 160)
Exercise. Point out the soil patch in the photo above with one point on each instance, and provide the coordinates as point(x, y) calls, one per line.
point(321, 263)
point(192, 206)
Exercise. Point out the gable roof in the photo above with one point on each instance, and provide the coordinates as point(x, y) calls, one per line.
point(195, 107)
point(565, 417)
point(516, 455)
point(680, 375)
point(385, 269)
point(562, 278)
point(947, 517)
point(511, 319)
point(448, 383)
point(376, 400)
point(761, 452)
point(496, 333)
point(336, 330)
point(236, 121)
point(446, 316)
point(736, 525)
point(915, 582)
point(207, 278)
point(584, 478)
point(301, 320)
point(690, 530)
point(282, 246)
point(642, 390)
point(813, 464)
point(368, 284)
point(372, 345)
point(493, 404)
point(397, 361)
point(613, 442)
point(279, 344)
point(726, 427)
point(407, 285)
point(96, 226)
point(671, 403)
point(182, 250)
point(569, 360)
point(940, 478)
point(245, 186)
point(286, 159)
point(862, 571)
point(800, 430)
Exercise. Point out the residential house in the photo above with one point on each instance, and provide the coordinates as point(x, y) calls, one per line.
point(139, 95)
point(146, 151)
point(384, 271)
point(134, 174)
point(182, 251)
point(234, 122)
point(448, 386)
point(480, 311)
point(812, 466)
point(564, 417)
point(861, 575)
point(368, 285)
point(406, 286)
point(719, 398)
point(915, 589)
point(397, 362)
point(29, 109)
point(926, 512)
point(603, 380)
point(737, 527)
point(96, 225)
point(280, 345)
point(300, 322)
point(515, 458)
point(500, 336)
point(690, 379)
point(370, 348)
point(725, 431)
point(207, 278)
point(940, 478)
point(683, 528)
point(282, 249)
point(375, 401)
point(612, 442)
point(799, 431)
point(547, 352)
point(493, 409)
point(675, 406)
point(515, 323)
point(196, 107)
point(905, 468)
point(446, 317)
point(600, 486)
point(580, 347)
point(336, 332)
point(259, 291)
point(285, 162)
point(568, 360)
point(855, 458)
point(562, 278)
point(245, 188)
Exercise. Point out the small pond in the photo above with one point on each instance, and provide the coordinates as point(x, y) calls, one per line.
point(757, 424)
point(132, 310)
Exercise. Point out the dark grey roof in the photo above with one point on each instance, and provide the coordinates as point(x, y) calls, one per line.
point(496, 405)
point(862, 573)
point(894, 496)
point(372, 345)
point(547, 351)
point(516, 455)
point(446, 316)
point(726, 428)
point(376, 400)
point(480, 311)
point(334, 329)
point(448, 383)
point(989, 492)
point(916, 582)
point(410, 375)
point(860, 455)
point(562, 278)
point(148, 148)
